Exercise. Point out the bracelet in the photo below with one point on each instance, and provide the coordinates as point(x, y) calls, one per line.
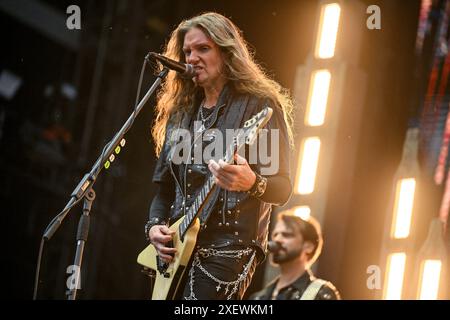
point(259, 187)
point(150, 223)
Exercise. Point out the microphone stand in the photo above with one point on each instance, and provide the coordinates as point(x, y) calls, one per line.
point(82, 235)
point(85, 190)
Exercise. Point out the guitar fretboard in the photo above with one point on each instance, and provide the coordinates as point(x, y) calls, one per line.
point(208, 186)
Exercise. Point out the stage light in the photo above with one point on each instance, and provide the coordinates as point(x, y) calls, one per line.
point(403, 207)
point(303, 212)
point(398, 233)
point(329, 90)
point(318, 98)
point(328, 28)
point(429, 279)
point(395, 273)
point(309, 158)
point(432, 264)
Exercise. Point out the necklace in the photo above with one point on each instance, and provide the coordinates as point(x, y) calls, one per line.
point(202, 117)
point(201, 112)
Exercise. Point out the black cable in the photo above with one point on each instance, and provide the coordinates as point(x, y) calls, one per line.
point(138, 93)
point(36, 277)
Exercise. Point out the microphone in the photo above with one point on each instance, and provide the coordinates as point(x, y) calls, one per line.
point(273, 246)
point(186, 70)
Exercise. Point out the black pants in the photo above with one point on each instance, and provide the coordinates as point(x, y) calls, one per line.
point(231, 272)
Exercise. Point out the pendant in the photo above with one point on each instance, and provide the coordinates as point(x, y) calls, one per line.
point(201, 129)
point(218, 287)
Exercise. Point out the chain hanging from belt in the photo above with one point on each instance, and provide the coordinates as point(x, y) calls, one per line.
point(208, 252)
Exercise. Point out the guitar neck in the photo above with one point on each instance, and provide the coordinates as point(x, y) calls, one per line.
point(194, 210)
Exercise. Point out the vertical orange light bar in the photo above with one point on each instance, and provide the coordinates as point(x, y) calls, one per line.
point(306, 173)
point(430, 275)
point(394, 276)
point(328, 28)
point(318, 98)
point(403, 206)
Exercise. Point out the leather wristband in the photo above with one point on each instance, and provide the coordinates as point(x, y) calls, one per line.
point(259, 187)
point(152, 222)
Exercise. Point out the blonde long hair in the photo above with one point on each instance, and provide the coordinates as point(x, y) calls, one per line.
point(178, 94)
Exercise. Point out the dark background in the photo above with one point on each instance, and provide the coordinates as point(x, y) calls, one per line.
point(48, 140)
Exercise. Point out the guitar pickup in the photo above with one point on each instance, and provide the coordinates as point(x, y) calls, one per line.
point(163, 266)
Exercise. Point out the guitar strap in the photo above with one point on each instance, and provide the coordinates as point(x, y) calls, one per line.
point(313, 289)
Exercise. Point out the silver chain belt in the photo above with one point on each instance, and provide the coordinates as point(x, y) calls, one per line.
point(208, 252)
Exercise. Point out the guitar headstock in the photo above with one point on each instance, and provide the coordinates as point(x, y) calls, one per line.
point(253, 125)
point(248, 134)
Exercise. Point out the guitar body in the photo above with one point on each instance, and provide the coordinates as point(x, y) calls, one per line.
point(167, 283)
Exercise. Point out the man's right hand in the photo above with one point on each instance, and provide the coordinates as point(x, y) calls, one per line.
point(160, 235)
